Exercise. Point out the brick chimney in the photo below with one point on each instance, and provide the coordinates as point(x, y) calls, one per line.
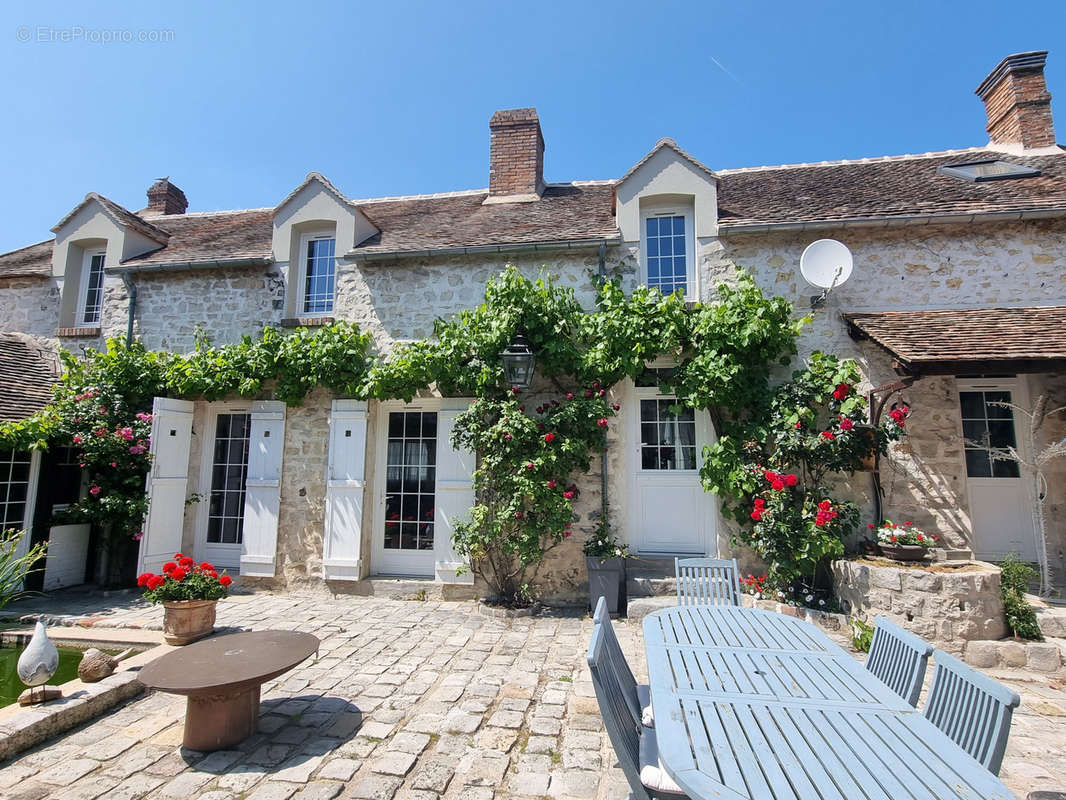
point(1018, 103)
point(166, 198)
point(516, 162)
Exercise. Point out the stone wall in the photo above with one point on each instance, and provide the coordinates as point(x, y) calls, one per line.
point(946, 607)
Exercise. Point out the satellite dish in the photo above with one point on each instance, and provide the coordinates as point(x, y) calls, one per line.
point(826, 264)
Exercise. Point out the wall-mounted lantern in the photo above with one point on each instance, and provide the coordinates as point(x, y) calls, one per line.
point(518, 362)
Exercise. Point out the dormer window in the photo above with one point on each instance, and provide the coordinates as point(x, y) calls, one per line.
point(669, 264)
point(318, 272)
point(91, 297)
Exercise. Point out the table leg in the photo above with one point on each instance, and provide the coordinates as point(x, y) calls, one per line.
point(218, 721)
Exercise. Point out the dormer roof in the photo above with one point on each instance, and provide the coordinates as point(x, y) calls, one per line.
point(119, 215)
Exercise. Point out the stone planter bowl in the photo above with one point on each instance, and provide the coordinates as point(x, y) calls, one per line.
point(185, 621)
point(903, 552)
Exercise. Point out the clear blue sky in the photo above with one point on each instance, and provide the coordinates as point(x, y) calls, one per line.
point(390, 98)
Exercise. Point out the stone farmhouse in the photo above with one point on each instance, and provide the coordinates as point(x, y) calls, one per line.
point(959, 291)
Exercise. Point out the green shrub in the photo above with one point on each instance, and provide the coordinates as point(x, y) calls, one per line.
point(1014, 583)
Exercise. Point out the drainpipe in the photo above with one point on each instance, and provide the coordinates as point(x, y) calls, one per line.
point(603, 453)
point(131, 293)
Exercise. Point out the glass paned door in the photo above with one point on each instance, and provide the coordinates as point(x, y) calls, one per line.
point(669, 513)
point(407, 534)
point(999, 506)
point(14, 488)
point(229, 470)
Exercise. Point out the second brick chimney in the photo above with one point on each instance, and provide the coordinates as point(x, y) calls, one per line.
point(516, 160)
point(166, 198)
point(1018, 103)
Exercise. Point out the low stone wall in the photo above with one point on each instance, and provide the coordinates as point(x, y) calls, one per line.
point(944, 604)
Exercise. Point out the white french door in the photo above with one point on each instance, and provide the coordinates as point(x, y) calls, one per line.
point(999, 502)
point(405, 524)
point(669, 512)
point(220, 532)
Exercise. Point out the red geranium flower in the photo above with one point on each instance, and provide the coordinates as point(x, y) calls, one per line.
point(178, 574)
point(756, 515)
point(155, 582)
point(778, 485)
point(552, 484)
point(225, 580)
point(602, 422)
point(828, 435)
point(791, 480)
point(569, 494)
point(169, 567)
point(846, 424)
point(206, 565)
point(825, 505)
point(549, 437)
point(186, 562)
point(143, 578)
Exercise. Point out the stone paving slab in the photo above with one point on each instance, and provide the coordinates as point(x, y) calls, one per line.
point(407, 700)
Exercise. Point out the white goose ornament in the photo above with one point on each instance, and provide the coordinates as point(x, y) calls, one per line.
point(39, 661)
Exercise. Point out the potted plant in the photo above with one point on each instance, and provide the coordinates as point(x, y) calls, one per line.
point(903, 542)
point(605, 559)
point(188, 592)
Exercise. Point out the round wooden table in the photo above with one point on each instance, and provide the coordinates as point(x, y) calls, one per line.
point(221, 677)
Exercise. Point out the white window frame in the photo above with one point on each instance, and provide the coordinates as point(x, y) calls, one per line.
point(83, 289)
point(690, 244)
point(301, 272)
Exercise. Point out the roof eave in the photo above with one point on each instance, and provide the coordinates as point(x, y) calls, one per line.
point(963, 218)
point(517, 247)
point(182, 266)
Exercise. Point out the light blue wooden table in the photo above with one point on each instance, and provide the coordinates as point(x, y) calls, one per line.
point(755, 705)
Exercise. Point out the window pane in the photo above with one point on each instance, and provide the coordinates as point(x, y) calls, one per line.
point(997, 411)
point(975, 432)
point(1001, 434)
point(977, 465)
point(972, 403)
point(679, 226)
point(1004, 469)
point(649, 457)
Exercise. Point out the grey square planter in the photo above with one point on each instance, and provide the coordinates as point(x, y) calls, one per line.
point(607, 576)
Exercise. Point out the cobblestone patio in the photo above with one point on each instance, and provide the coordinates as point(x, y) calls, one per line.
point(407, 700)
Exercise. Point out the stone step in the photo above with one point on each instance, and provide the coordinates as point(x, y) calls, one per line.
point(650, 576)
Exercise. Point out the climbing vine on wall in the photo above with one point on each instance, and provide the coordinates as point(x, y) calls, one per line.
point(725, 353)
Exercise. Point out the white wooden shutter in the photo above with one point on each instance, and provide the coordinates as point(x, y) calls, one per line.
point(262, 489)
point(345, 484)
point(455, 493)
point(167, 482)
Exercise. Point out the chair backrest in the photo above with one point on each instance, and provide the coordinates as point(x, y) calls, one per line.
point(971, 708)
point(617, 719)
point(707, 581)
point(899, 659)
point(626, 681)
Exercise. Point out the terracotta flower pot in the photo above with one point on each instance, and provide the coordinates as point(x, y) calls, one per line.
point(185, 621)
point(903, 552)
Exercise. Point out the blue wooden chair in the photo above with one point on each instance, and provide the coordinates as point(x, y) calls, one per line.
point(707, 581)
point(973, 710)
point(635, 746)
point(899, 659)
point(637, 695)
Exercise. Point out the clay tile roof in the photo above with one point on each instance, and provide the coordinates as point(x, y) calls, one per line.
point(568, 212)
point(877, 188)
point(957, 341)
point(204, 237)
point(34, 261)
point(27, 372)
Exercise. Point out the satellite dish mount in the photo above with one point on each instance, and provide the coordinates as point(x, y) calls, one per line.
point(825, 264)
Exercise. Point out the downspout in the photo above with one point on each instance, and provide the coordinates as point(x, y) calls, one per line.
point(131, 293)
point(603, 453)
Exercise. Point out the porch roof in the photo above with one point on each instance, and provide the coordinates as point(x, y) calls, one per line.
point(967, 341)
point(27, 372)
